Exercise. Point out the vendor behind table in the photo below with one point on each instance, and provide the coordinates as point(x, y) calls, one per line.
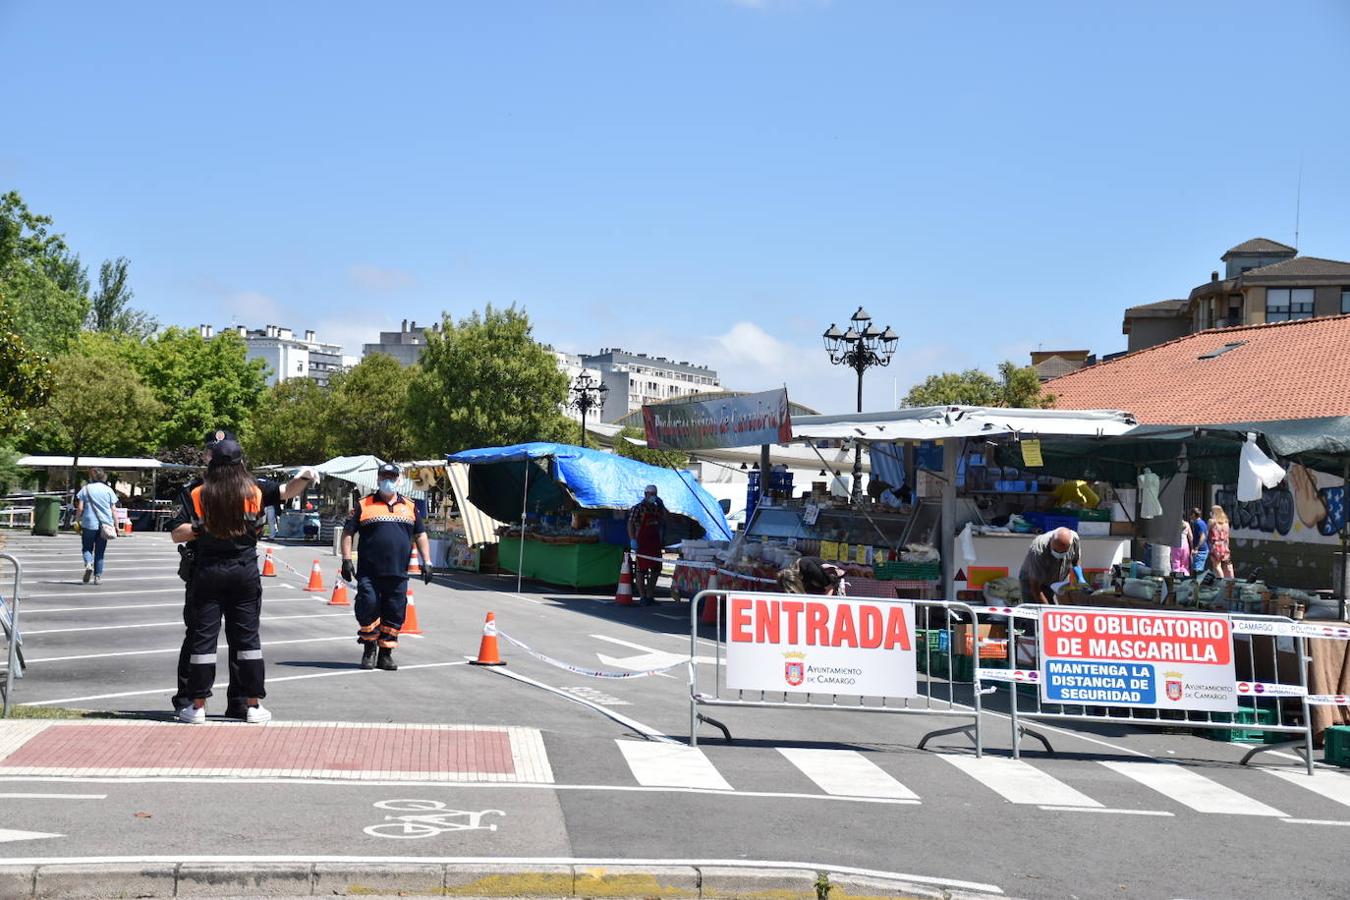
point(1050, 560)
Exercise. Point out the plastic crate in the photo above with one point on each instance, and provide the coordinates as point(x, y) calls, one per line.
point(908, 571)
point(1245, 716)
point(1051, 521)
point(1092, 515)
point(1337, 748)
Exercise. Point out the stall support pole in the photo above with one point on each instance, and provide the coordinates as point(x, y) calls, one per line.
point(1345, 546)
point(950, 448)
point(763, 471)
point(524, 505)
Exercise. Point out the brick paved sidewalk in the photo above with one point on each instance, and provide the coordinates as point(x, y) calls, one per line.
point(330, 750)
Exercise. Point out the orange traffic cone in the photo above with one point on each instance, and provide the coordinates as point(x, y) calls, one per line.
point(487, 648)
point(126, 528)
point(315, 579)
point(410, 625)
point(710, 603)
point(414, 567)
point(269, 567)
point(339, 594)
point(624, 595)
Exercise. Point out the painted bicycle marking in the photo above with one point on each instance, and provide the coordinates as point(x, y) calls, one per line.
point(435, 819)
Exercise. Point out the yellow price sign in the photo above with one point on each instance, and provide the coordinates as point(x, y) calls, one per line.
point(1031, 454)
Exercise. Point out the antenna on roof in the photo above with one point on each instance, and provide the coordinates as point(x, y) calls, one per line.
point(1298, 200)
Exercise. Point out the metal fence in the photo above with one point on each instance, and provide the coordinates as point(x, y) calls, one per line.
point(940, 627)
point(1270, 660)
point(9, 625)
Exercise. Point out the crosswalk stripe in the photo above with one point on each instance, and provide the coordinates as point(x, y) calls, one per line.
point(1192, 789)
point(1018, 781)
point(846, 773)
point(670, 765)
point(1332, 785)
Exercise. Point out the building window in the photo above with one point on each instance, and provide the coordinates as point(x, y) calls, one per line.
point(1345, 299)
point(1284, 304)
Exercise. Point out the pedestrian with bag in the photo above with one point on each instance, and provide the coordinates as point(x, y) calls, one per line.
point(388, 525)
point(193, 552)
point(95, 507)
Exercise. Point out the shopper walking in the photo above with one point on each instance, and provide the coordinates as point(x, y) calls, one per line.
point(209, 554)
point(388, 525)
point(1220, 533)
point(1199, 542)
point(646, 538)
point(95, 507)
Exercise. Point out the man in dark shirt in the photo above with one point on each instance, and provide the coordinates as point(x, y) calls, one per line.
point(235, 705)
point(1050, 559)
point(388, 524)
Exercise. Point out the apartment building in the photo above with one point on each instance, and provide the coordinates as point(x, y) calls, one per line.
point(286, 355)
point(405, 345)
point(634, 379)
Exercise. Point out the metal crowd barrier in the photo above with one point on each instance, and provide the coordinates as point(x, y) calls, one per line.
point(936, 624)
point(24, 515)
point(1286, 697)
point(9, 624)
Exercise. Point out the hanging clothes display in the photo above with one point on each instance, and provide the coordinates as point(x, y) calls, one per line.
point(1256, 471)
point(1149, 505)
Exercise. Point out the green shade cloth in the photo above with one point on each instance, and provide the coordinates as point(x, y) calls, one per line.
point(572, 565)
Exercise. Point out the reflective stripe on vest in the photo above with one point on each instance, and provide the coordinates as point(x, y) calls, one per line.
point(373, 510)
point(252, 505)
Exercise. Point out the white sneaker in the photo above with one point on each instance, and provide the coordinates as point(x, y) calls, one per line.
point(257, 715)
point(88, 572)
point(192, 715)
point(98, 579)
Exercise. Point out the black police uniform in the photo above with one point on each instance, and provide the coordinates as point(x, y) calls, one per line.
point(225, 582)
point(387, 529)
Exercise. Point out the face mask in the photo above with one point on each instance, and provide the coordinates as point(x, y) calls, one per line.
point(1059, 554)
point(388, 486)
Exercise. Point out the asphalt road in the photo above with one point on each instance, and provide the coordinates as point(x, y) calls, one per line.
point(1114, 812)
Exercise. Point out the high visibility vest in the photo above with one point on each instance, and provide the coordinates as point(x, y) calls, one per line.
point(372, 510)
point(252, 503)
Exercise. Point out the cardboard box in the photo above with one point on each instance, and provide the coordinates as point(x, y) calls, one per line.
point(1122, 529)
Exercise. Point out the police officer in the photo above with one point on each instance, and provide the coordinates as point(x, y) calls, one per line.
point(388, 524)
point(235, 704)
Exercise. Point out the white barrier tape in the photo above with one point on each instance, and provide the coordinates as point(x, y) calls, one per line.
point(591, 673)
point(713, 567)
point(1269, 689)
point(1291, 629)
point(1329, 699)
point(1018, 611)
point(1025, 676)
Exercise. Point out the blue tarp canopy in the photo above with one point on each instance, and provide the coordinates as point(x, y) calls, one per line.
point(594, 480)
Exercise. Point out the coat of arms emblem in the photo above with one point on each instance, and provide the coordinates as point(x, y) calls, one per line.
point(794, 668)
point(1173, 685)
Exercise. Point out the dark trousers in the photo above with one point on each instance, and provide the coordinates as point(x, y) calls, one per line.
point(381, 604)
point(230, 589)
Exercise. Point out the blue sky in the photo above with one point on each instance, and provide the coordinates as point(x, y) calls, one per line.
point(705, 179)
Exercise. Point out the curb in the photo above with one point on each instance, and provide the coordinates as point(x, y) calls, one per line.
point(190, 879)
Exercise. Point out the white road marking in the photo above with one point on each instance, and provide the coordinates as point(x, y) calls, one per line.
point(96, 608)
point(623, 720)
point(846, 773)
point(1103, 809)
point(220, 684)
point(53, 796)
point(1332, 785)
point(649, 659)
point(1018, 781)
point(221, 646)
point(1192, 789)
point(480, 590)
point(178, 622)
point(10, 834)
point(671, 765)
point(1313, 822)
point(92, 593)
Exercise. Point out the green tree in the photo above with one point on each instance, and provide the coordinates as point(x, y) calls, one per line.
point(25, 377)
point(487, 382)
point(203, 384)
point(623, 446)
point(110, 309)
point(1016, 386)
point(369, 410)
point(293, 424)
point(44, 284)
point(98, 407)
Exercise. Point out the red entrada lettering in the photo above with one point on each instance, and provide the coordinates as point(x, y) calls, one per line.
point(761, 621)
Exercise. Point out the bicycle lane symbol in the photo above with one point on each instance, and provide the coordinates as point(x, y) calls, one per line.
point(435, 819)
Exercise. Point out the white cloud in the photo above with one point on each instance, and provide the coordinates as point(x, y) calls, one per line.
point(381, 279)
point(252, 308)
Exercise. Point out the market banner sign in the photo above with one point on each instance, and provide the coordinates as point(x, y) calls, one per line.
point(798, 643)
point(1137, 659)
point(727, 422)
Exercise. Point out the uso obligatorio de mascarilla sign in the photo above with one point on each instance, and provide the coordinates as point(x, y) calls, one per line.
point(806, 644)
point(744, 421)
point(1137, 659)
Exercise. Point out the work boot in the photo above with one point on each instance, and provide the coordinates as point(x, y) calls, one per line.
point(368, 656)
point(386, 660)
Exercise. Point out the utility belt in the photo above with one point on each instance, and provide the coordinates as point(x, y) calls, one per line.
point(190, 558)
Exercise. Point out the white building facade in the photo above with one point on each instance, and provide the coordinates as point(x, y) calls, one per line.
point(635, 379)
point(287, 356)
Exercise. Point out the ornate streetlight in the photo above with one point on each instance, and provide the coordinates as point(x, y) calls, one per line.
point(860, 348)
point(587, 394)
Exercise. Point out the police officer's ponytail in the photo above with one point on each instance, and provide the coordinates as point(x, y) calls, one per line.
point(226, 492)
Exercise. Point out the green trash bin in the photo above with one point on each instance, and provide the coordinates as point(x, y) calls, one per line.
point(46, 515)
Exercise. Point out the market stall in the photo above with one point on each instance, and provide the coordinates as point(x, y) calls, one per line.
point(563, 508)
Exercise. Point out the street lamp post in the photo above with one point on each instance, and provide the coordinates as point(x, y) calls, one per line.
point(860, 348)
point(587, 394)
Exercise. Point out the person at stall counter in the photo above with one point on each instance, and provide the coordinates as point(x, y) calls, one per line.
point(811, 575)
point(646, 538)
point(1050, 559)
point(388, 524)
point(273, 497)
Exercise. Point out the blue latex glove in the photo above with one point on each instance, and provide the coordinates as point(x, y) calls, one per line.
point(1078, 573)
point(633, 544)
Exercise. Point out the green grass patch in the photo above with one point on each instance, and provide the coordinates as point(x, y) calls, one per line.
point(57, 712)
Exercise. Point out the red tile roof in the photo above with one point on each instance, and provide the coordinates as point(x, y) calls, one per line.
point(1288, 370)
